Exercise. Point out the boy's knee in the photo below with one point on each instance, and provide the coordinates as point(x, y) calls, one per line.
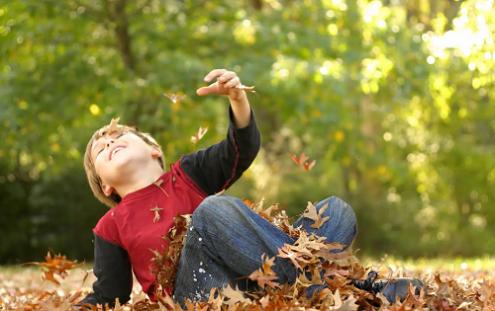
point(211, 209)
point(340, 209)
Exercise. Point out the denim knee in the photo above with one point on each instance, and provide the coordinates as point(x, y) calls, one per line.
point(343, 215)
point(341, 225)
point(339, 208)
point(212, 210)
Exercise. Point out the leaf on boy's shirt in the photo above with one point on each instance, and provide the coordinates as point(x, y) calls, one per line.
point(303, 161)
point(265, 275)
point(199, 135)
point(312, 213)
point(156, 216)
point(175, 97)
point(54, 265)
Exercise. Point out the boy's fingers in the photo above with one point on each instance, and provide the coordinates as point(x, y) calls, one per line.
point(226, 76)
point(205, 90)
point(213, 74)
point(233, 82)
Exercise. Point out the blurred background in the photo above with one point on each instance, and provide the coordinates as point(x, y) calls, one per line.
point(393, 99)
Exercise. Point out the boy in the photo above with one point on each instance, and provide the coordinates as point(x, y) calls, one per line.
point(225, 239)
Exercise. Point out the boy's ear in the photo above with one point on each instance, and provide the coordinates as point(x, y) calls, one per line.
point(156, 153)
point(107, 190)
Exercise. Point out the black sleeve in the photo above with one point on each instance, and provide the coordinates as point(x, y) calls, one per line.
point(112, 269)
point(218, 166)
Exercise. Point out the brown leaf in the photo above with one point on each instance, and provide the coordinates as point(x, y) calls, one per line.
point(55, 265)
point(234, 295)
point(303, 161)
point(347, 305)
point(265, 276)
point(312, 213)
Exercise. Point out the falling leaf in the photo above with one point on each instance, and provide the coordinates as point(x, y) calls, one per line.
point(175, 97)
point(54, 265)
point(199, 135)
point(303, 161)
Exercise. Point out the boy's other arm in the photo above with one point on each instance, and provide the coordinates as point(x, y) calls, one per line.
point(112, 269)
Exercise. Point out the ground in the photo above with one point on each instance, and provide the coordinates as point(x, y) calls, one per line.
point(453, 284)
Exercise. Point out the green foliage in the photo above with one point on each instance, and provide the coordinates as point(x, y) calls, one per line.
point(393, 100)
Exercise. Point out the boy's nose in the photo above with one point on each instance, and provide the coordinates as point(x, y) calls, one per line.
point(111, 141)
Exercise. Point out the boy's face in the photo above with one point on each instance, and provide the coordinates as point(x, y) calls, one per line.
point(118, 155)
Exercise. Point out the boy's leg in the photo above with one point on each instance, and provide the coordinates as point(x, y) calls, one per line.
point(341, 225)
point(224, 245)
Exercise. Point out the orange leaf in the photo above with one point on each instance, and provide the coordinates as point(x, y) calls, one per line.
point(265, 275)
point(303, 161)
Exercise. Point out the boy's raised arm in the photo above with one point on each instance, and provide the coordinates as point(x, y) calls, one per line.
point(218, 166)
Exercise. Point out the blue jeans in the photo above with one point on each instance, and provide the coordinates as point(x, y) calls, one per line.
point(226, 239)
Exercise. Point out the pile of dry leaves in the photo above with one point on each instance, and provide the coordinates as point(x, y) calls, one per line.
point(468, 291)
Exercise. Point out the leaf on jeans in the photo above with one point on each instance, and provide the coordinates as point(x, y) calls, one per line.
point(267, 213)
point(303, 161)
point(265, 275)
point(292, 253)
point(199, 135)
point(312, 213)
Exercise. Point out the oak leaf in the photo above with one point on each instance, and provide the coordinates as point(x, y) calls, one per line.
point(316, 215)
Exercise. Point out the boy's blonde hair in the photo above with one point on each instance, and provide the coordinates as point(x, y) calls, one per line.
point(94, 180)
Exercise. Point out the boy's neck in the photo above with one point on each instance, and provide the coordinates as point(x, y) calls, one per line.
point(139, 180)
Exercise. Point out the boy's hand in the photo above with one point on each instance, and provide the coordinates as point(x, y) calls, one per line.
point(227, 83)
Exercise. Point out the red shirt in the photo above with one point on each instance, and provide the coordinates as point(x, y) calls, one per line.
point(133, 226)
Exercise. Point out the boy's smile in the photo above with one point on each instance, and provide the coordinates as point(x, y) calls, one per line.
point(114, 150)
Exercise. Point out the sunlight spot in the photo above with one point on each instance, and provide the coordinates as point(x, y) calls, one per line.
point(22, 104)
point(430, 60)
point(94, 109)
